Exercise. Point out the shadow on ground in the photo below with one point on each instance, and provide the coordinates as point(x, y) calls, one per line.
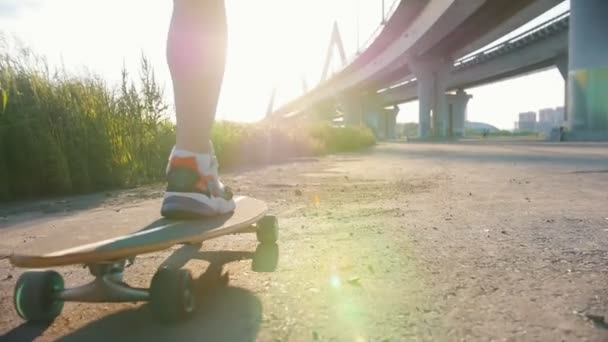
point(228, 314)
point(225, 314)
point(25, 332)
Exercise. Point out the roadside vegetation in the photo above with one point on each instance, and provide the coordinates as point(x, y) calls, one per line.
point(62, 133)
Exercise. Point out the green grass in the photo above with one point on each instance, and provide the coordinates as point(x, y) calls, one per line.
point(239, 144)
point(63, 134)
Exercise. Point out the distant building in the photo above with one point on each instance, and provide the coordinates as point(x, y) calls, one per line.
point(550, 118)
point(562, 113)
point(527, 122)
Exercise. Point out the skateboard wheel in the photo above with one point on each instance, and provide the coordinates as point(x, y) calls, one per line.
point(268, 229)
point(34, 296)
point(266, 258)
point(172, 294)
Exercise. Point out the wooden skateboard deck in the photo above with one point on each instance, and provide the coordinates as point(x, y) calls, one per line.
point(159, 236)
point(107, 253)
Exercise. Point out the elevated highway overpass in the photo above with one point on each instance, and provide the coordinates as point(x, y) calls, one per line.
point(423, 39)
point(541, 47)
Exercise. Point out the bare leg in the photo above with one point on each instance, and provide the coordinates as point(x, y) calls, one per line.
point(196, 54)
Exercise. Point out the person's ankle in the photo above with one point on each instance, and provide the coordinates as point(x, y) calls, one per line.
point(199, 148)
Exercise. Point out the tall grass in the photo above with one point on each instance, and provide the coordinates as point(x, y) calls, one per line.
point(261, 143)
point(63, 134)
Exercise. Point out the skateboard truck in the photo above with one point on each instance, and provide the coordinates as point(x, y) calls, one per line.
point(108, 285)
point(103, 289)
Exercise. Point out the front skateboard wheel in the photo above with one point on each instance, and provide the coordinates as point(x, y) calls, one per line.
point(268, 230)
point(266, 258)
point(35, 296)
point(172, 294)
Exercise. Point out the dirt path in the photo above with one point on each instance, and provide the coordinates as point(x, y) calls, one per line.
point(471, 241)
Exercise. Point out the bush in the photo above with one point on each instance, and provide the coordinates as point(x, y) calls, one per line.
point(239, 144)
point(61, 134)
point(341, 139)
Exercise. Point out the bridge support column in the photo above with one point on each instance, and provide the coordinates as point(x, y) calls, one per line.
point(391, 122)
point(353, 112)
point(366, 110)
point(432, 113)
point(562, 65)
point(387, 123)
point(457, 113)
point(588, 70)
point(382, 121)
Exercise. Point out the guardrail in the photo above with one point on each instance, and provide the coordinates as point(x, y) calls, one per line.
point(555, 25)
point(372, 37)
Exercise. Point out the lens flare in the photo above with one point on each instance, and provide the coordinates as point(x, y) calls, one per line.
point(335, 281)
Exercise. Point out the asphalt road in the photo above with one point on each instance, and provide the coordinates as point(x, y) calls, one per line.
point(476, 241)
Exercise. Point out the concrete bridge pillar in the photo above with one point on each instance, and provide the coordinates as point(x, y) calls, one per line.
point(391, 122)
point(382, 121)
point(588, 70)
point(562, 65)
point(457, 113)
point(352, 111)
point(431, 77)
point(387, 127)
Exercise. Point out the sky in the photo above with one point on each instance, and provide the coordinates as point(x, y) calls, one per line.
point(272, 43)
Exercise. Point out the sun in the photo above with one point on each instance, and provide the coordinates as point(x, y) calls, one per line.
point(271, 43)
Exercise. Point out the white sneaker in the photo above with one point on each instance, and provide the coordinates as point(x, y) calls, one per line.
point(193, 187)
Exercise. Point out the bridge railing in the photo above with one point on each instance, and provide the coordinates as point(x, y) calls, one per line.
point(548, 27)
point(372, 37)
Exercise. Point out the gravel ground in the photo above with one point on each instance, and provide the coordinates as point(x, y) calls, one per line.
point(475, 241)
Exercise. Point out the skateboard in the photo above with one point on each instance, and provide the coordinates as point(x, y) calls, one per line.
point(39, 295)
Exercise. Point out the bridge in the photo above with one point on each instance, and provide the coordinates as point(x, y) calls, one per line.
point(541, 47)
point(430, 51)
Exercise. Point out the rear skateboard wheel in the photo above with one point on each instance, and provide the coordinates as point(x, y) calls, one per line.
point(35, 296)
point(266, 258)
point(268, 230)
point(172, 295)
